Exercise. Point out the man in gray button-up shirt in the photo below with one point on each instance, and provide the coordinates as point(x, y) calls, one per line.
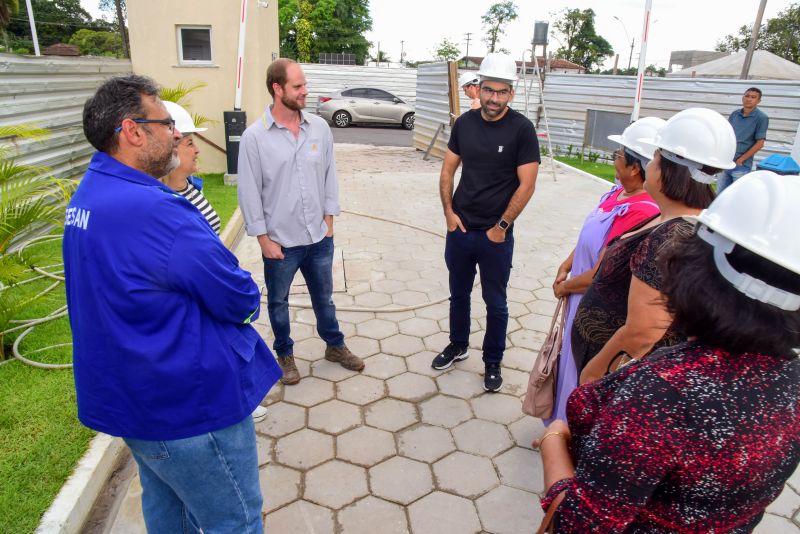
point(288, 194)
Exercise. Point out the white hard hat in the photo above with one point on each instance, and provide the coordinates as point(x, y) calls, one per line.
point(183, 121)
point(468, 78)
point(696, 137)
point(631, 138)
point(501, 67)
point(758, 212)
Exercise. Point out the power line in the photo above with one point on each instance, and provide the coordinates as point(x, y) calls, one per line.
point(71, 24)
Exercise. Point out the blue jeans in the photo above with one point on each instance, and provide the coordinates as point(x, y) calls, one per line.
point(208, 481)
point(730, 176)
point(316, 263)
point(462, 252)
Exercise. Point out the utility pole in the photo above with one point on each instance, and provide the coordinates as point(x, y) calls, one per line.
point(630, 57)
point(401, 53)
point(378, 56)
point(753, 38)
point(467, 54)
point(34, 36)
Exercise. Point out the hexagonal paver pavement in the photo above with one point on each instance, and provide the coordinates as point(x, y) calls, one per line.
point(330, 371)
point(362, 347)
point(482, 437)
point(417, 326)
point(279, 486)
point(499, 408)
point(384, 366)
point(303, 449)
point(402, 345)
point(370, 515)
point(411, 387)
point(335, 484)
point(465, 474)
point(301, 517)
point(426, 443)
point(521, 468)
point(445, 411)
point(309, 392)
point(526, 430)
point(390, 414)
point(460, 384)
point(401, 480)
point(507, 510)
point(264, 448)
point(360, 390)
point(334, 417)
point(282, 418)
point(365, 446)
point(442, 513)
point(377, 328)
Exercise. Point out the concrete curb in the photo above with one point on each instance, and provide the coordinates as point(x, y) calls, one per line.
point(74, 502)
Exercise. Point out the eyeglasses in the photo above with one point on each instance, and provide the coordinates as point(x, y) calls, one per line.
point(169, 123)
point(502, 93)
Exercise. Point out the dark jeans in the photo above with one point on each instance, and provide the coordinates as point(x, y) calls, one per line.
point(462, 252)
point(316, 263)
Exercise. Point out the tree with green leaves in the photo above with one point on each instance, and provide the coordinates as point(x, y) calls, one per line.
point(56, 21)
point(337, 26)
point(121, 13)
point(8, 8)
point(94, 43)
point(446, 50)
point(495, 20)
point(581, 44)
point(381, 57)
point(779, 35)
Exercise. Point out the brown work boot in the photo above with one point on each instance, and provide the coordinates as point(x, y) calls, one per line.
point(344, 357)
point(290, 374)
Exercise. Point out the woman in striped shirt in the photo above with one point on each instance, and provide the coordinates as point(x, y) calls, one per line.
point(181, 179)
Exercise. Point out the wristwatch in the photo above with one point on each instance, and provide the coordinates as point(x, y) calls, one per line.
point(503, 224)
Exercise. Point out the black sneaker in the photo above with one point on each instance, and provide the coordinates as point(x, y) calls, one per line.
point(492, 380)
point(451, 353)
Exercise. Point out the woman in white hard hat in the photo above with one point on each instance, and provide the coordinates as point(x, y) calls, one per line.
point(619, 210)
point(470, 83)
point(703, 435)
point(182, 181)
point(622, 315)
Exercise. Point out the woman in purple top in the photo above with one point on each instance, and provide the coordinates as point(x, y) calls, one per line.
point(619, 210)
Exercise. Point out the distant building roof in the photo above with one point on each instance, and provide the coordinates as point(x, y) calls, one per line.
point(61, 49)
point(764, 66)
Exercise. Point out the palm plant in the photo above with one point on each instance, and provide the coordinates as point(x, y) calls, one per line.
point(32, 201)
point(179, 94)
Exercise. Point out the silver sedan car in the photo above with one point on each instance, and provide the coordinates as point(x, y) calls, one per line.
point(365, 105)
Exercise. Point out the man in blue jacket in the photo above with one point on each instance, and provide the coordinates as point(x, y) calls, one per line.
point(164, 352)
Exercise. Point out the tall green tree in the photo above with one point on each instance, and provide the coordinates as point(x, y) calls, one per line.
point(8, 8)
point(94, 43)
point(56, 20)
point(337, 26)
point(446, 50)
point(495, 20)
point(779, 35)
point(305, 37)
point(120, 10)
point(581, 44)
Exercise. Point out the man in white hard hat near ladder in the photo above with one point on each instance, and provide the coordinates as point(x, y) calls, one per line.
point(470, 83)
point(500, 155)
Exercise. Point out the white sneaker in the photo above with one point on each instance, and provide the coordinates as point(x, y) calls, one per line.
point(259, 414)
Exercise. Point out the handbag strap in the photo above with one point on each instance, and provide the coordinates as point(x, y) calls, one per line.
point(556, 315)
point(547, 522)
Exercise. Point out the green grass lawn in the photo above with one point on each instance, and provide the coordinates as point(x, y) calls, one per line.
point(41, 439)
point(601, 170)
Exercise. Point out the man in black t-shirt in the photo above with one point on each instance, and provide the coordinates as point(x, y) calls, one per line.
point(500, 156)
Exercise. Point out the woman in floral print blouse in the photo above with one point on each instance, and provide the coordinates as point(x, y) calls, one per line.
point(700, 436)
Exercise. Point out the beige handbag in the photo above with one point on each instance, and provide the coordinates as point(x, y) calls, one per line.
point(540, 398)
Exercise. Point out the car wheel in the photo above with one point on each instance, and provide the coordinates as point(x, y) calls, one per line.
point(408, 121)
point(341, 119)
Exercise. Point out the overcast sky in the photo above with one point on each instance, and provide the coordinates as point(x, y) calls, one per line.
point(679, 24)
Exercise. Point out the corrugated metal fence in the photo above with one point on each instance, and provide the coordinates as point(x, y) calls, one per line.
point(50, 92)
point(568, 96)
point(323, 79)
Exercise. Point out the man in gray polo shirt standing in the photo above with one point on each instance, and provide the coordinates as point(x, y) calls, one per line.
point(288, 193)
point(750, 126)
